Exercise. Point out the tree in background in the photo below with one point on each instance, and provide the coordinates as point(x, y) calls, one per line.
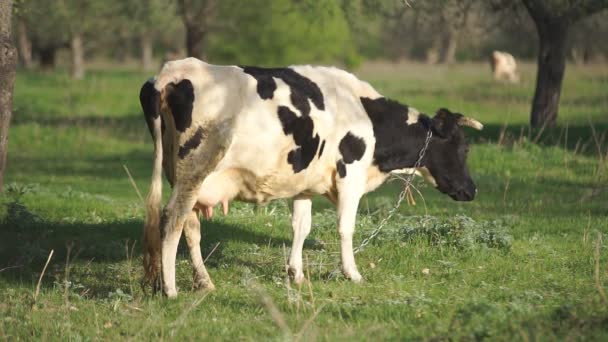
point(507, 28)
point(24, 42)
point(553, 20)
point(71, 14)
point(47, 26)
point(42, 28)
point(8, 64)
point(197, 17)
point(429, 30)
point(584, 37)
point(446, 21)
point(365, 28)
point(144, 21)
point(281, 32)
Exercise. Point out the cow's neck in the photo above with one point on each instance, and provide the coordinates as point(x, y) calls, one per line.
point(400, 148)
point(400, 133)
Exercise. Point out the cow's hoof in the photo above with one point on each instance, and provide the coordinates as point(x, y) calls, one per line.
point(296, 276)
point(171, 294)
point(202, 285)
point(354, 276)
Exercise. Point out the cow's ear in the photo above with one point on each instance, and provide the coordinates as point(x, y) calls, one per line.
point(445, 122)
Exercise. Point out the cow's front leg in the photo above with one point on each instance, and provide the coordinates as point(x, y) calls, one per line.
point(300, 222)
point(192, 230)
point(348, 201)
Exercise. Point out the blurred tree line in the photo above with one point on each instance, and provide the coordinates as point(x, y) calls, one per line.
point(279, 32)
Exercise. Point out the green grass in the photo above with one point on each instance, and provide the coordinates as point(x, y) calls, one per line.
point(516, 263)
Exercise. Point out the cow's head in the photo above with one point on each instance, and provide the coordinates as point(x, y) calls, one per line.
point(446, 155)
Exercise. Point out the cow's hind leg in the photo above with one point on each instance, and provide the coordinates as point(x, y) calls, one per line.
point(301, 222)
point(192, 230)
point(176, 213)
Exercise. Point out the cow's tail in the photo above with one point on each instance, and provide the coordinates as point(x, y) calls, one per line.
point(150, 102)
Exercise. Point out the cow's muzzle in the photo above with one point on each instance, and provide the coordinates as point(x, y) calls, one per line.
point(464, 194)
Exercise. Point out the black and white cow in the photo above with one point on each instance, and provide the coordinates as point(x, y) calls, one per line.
point(255, 134)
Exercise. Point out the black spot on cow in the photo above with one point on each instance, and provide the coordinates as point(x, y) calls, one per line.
point(341, 168)
point(321, 149)
point(180, 98)
point(351, 147)
point(266, 84)
point(191, 143)
point(302, 89)
point(149, 98)
point(301, 128)
point(397, 143)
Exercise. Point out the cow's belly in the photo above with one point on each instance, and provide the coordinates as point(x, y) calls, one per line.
point(244, 185)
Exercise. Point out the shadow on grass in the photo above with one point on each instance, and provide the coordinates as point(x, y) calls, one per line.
point(26, 241)
point(139, 163)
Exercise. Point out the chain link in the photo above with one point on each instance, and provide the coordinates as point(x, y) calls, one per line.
point(408, 182)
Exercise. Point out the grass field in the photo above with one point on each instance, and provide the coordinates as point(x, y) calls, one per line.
point(524, 261)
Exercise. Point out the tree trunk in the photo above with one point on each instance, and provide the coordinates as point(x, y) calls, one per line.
point(197, 16)
point(146, 51)
point(8, 64)
point(47, 57)
point(552, 35)
point(195, 40)
point(448, 55)
point(77, 56)
point(24, 44)
point(432, 54)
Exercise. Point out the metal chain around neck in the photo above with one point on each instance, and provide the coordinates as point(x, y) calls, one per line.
point(408, 182)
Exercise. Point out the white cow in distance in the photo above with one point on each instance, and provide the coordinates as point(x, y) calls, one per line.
point(504, 67)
